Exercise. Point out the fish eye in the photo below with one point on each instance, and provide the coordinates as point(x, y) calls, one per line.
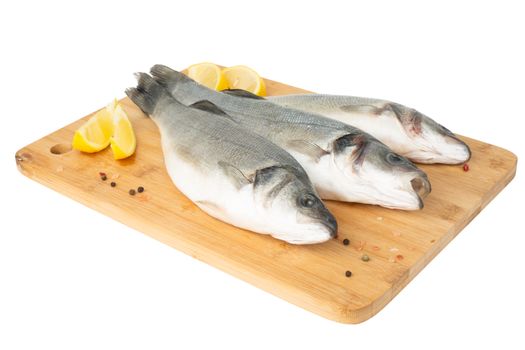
point(307, 200)
point(394, 159)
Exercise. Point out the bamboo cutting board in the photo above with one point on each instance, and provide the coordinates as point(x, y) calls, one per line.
point(399, 244)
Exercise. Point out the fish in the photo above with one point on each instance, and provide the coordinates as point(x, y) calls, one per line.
point(343, 162)
point(405, 130)
point(233, 174)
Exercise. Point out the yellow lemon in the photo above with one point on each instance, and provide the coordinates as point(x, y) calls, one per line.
point(95, 134)
point(123, 141)
point(245, 78)
point(208, 74)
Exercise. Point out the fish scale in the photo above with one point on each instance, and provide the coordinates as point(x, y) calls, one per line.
point(232, 174)
point(405, 130)
point(359, 170)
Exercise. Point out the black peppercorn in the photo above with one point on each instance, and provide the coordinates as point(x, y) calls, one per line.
point(140, 189)
point(348, 273)
point(132, 192)
point(346, 241)
point(113, 184)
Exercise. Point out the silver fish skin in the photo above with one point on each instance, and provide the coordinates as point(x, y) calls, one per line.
point(343, 162)
point(405, 130)
point(233, 174)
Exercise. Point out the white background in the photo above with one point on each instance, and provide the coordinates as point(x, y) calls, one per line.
point(71, 278)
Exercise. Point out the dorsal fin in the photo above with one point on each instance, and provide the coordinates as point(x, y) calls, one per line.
point(207, 106)
point(242, 93)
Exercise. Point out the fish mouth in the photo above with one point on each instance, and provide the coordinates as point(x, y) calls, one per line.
point(459, 151)
point(319, 229)
point(323, 232)
point(421, 187)
point(331, 225)
point(323, 221)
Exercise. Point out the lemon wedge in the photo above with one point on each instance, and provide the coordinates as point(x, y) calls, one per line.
point(95, 134)
point(245, 78)
point(123, 141)
point(208, 74)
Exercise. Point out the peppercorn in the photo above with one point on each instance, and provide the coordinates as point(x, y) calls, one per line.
point(346, 241)
point(348, 273)
point(104, 177)
point(140, 189)
point(465, 167)
point(365, 257)
point(132, 192)
point(113, 184)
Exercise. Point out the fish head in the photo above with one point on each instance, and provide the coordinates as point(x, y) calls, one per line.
point(288, 204)
point(432, 142)
point(378, 175)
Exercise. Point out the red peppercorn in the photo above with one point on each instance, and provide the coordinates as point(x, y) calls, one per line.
point(465, 167)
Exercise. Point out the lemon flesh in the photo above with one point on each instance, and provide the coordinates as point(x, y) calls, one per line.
point(209, 75)
point(95, 134)
point(245, 78)
point(123, 142)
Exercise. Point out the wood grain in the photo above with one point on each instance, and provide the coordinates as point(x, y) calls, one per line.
point(398, 243)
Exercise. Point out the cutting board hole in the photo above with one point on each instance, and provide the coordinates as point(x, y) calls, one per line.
point(60, 148)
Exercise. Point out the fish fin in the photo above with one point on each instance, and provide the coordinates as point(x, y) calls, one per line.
point(164, 75)
point(354, 144)
point(395, 108)
point(146, 94)
point(236, 176)
point(307, 148)
point(242, 93)
point(207, 106)
point(369, 109)
point(209, 207)
point(408, 117)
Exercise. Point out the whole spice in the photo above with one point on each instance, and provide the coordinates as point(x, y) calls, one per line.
point(113, 184)
point(103, 177)
point(140, 189)
point(365, 257)
point(132, 192)
point(346, 241)
point(348, 273)
point(465, 167)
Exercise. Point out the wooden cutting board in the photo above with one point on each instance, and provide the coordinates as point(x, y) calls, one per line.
point(399, 244)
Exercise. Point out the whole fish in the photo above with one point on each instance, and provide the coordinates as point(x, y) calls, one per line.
point(403, 129)
point(343, 162)
point(233, 174)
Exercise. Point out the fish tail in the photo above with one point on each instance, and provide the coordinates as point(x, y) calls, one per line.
point(164, 75)
point(147, 93)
